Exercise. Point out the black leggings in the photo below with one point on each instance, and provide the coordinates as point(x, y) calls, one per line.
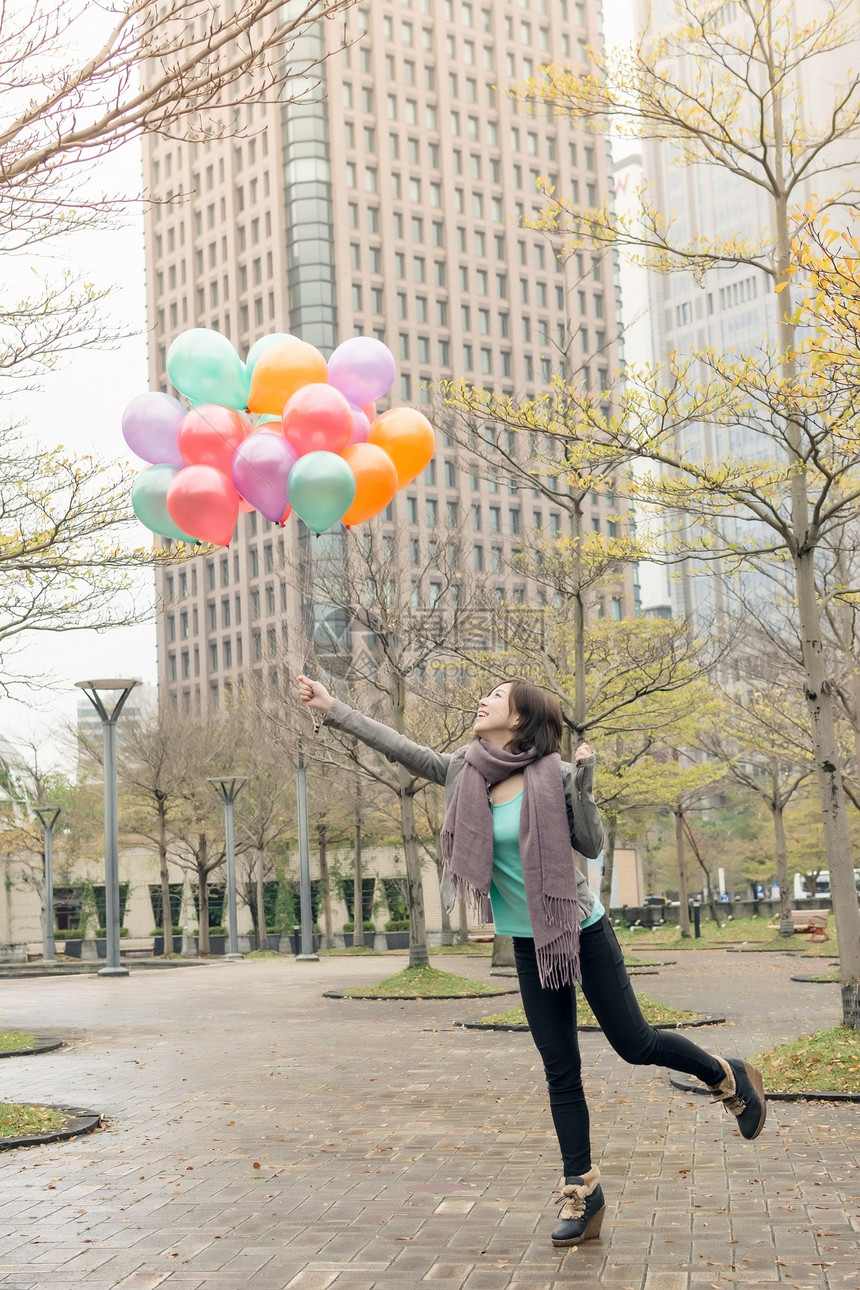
point(551, 1016)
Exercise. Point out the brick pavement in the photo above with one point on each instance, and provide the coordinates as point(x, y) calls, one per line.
point(261, 1136)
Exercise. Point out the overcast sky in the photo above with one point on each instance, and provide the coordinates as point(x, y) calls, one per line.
point(81, 407)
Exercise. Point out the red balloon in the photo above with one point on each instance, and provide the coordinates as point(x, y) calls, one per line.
point(317, 419)
point(209, 435)
point(207, 502)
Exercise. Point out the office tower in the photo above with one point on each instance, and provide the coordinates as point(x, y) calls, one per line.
point(733, 309)
point(385, 203)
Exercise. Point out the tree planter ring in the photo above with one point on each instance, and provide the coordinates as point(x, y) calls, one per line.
point(77, 1123)
point(683, 1083)
point(414, 998)
point(43, 1044)
point(660, 1025)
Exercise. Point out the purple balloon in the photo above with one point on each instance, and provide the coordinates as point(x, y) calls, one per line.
point(261, 465)
point(360, 427)
point(149, 426)
point(362, 368)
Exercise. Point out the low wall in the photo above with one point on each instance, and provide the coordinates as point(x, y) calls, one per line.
point(654, 915)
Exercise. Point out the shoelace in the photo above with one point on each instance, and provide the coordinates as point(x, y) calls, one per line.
point(730, 1101)
point(573, 1206)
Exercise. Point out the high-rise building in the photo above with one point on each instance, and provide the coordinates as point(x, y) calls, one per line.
point(385, 202)
point(732, 309)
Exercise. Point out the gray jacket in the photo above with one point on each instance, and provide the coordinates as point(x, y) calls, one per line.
point(583, 817)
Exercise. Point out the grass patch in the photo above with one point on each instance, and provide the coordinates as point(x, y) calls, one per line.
point(835, 976)
point(17, 1119)
point(829, 1060)
point(262, 954)
point(348, 950)
point(653, 1012)
point(423, 983)
point(473, 949)
point(750, 931)
point(10, 1040)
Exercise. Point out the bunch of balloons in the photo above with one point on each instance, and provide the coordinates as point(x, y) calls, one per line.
point(282, 431)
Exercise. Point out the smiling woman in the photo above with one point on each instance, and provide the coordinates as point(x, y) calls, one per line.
point(513, 813)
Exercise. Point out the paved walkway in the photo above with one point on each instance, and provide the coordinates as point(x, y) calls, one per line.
point(261, 1136)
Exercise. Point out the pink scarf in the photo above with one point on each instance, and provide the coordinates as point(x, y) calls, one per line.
point(545, 851)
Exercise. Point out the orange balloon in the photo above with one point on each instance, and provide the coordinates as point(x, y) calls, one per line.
point(407, 437)
point(282, 370)
point(375, 481)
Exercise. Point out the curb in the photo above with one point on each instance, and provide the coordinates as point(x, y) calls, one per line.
point(663, 1025)
point(812, 980)
point(77, 1123)
point(414, 998)
point(806, 1095)
point(43, 1044)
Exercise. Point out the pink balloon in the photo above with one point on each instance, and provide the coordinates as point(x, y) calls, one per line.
point(317, 419)
point(369, 410)
point(203, 502)
point(209, 435)
point(360, 427)
point(260, 469)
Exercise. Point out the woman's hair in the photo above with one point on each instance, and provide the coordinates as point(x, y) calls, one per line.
point(540, 721)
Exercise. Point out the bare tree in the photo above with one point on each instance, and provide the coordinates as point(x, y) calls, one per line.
point(388, 662)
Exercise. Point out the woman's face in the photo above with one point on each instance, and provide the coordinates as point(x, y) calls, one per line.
point(495, 714)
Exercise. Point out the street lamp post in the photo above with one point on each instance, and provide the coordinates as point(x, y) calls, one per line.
point(48, 816)
point(228, 789)
point(93, 690)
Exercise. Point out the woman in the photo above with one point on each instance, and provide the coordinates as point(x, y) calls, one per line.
point(513, 812)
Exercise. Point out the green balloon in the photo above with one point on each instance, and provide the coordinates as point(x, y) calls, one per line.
point(320, 489)
point(260, 346)
point(149, 500)
point(204, 366)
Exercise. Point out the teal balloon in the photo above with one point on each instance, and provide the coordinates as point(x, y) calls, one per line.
point(205, 367)
point(321, 488)
point(149, 500)
point(260, 346)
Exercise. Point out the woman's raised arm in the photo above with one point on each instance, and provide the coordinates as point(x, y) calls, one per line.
point(417, 758)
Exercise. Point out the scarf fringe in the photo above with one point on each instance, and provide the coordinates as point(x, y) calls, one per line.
point(476, 900)
point(558, 963)
point(558, 960)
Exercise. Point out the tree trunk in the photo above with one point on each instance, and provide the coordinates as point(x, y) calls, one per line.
point(828, 765)
point(462, 921)
point(203, 895)
point(357, 887)
point(578, 622)
point(683, 901)
point(786, 926)
point(325, 880)
point(418, 956)
point(447, 934)
point(503, 952)
point(611, 830)
point(260, 902)
point(831, 792)
point(166, 913)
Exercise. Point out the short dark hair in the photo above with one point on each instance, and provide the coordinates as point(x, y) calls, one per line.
point(540, 720)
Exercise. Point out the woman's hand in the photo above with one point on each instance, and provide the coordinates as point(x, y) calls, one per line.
point(581, 753)
point(314, 694)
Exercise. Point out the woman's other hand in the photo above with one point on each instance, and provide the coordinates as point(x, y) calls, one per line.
point(581, 753)
point(314, 694)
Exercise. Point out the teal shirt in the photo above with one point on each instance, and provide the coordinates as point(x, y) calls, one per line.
point(507, 887)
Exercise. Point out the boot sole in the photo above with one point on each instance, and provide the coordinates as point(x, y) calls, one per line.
point(757, 1082)
point(589, 1232)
